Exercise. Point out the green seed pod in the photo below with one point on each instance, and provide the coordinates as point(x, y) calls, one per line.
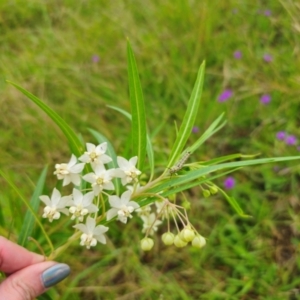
point(187, 234)
point(168, 238)
point(206, 193)
point(147, 244)
point(213, 190)
point(186, 204)
point(199, 241)
point(178, 242)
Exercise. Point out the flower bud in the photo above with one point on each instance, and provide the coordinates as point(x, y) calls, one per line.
point(178, 242)
point(147, 244)
point(168, 238)
point(187, 234)
point(213, 190)
point(206, 193)
point(199, 241)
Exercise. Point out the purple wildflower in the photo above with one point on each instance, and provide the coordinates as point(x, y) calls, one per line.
point(235, 11)
point(229, 183)
point(291, 140)
point(95, 59)
point(195, 129)
point(267, 58)
point(267, 13)
point(225, 95)
point(237, 54)
point(280, 135)
point(265, 99)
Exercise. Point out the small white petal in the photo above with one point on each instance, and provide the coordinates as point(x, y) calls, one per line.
point(111, 213)
point(133, 160)
point(81, 227)
point(90, 147)
point(77, 168)
point(90, 224)
point(66, 180)
point(72, 161)
point(114, 201)
point(87, 199)
point(45, 199)
point(75, 179)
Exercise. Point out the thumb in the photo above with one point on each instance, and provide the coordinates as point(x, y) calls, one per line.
point(33, 280)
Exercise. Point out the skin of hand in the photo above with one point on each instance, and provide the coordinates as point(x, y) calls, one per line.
point(28, 274)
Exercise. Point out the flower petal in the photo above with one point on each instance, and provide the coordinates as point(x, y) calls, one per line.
point(90, 224)
point(46, 200)
point(77, 196)
point(77, 168)
point(81, 227)
point(111, 213)
point(114, 201)
point(72, 161)
point(133, 160)
point(90, 147)
point(87, 199)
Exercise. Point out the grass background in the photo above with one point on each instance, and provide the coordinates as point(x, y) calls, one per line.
point(72, 54)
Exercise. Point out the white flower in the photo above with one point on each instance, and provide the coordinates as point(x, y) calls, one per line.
point(162, 208)
point(101, 179)
point(121, 207)
point(144, 211)
point(150, 223)
point(95, 154)
point(133, 188)
point(55, 205)
point(69, 172)
point(91, 233)
point(81, 205)
point(129, 171)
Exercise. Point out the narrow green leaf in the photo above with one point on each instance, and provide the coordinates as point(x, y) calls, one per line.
point(122, 111)
point(74, 142)
point(221, 159)
point(189, 185)
point(138, 123)
point(149, 149)
point(196, 174)
point(234, 204)
point(189, 118)
point(208, 133)
point(23, 199)
point(150, 154)
point(110, 151)
point(28, 223)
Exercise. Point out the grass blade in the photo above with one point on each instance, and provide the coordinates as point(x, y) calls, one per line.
point(149, 148)
point(138, 123)
point(28, 223)
point(205, 170)
point(189, 118)
point(208, 133)
point(23, 199)
point(150, 154)
point(74, 142)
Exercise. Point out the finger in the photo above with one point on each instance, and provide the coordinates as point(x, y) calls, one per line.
point(14, 257)
point(30, 282)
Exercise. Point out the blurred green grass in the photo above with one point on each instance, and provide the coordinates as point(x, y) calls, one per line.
point(51, 49)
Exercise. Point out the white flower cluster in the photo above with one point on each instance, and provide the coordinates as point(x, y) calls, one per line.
point(87, 206)
point(81, 205)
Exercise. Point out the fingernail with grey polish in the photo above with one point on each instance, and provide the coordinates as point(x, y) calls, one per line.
point(55, 274)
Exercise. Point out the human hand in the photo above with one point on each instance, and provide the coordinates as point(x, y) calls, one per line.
point(29, 275)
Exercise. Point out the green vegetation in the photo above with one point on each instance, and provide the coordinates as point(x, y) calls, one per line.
point(73, 56)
